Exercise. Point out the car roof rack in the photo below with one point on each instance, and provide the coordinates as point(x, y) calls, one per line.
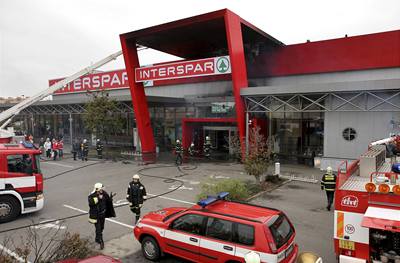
point(212, 199)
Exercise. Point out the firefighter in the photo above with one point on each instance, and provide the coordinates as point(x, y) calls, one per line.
point(100, 208)
point(178, 152)
point(308, 257)
point(136, 195)
point(328, 183)
point(99, 149)
point(85, 150)
point(207, 147)
point(252, 257)
point(191, 150)
point(76, 148)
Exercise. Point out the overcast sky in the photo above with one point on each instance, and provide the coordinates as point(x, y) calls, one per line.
point(45, 39)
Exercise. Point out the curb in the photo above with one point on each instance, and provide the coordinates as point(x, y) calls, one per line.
point(267, 191)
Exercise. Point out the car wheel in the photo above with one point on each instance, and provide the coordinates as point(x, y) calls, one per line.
point(9, 209)
point(150, 249)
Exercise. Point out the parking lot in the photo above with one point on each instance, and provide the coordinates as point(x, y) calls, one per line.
point(66, 195)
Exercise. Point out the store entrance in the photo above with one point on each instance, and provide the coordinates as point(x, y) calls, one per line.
point(221, 138)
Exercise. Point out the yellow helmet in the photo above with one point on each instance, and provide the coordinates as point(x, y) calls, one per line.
point(308, 257)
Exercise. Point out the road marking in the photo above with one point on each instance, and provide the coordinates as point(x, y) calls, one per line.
point(108, 219)
point(180, 188)
point(45, 225)
point(189, 181)
point(173, 199)
point(13, 254)
point(59, 164)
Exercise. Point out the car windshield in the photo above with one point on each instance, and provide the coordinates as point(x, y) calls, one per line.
point(281, 230)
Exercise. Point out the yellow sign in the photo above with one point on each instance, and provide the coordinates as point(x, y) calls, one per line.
point(345, 244)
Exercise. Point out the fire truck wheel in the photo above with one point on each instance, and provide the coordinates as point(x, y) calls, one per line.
point(151, 249)
point(9, 208)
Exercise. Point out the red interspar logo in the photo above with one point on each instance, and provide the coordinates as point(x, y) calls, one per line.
point(350, 201)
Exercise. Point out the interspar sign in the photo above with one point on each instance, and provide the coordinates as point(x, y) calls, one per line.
point(184, 69)
point(104, 80)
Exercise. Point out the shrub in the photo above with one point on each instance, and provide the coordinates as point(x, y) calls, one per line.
point(237, 189)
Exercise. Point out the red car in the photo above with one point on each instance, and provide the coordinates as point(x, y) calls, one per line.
point(218, 230)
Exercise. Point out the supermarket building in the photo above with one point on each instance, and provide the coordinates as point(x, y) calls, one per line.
point(325, 99)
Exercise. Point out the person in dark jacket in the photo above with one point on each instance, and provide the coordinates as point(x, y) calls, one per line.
point(85, 150)
point(328, 183)
point(99, 149)
point(136, 195)
point(100, 208)
point(76, 147)
point(178, 152)
point(207, 147)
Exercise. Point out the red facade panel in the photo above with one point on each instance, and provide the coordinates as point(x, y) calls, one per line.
point(380, 50)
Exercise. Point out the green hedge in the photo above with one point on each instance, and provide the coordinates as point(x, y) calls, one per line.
point(237, 189)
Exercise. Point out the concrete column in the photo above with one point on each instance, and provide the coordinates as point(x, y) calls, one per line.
point(247, 133)
point(70, 128)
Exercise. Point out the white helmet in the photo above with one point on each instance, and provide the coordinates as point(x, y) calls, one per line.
point(84, 140)
point(98, 186)
point(252, 257)
point(177, 141)
point(192, 144)
point(98, 140)
point(136, 177)
point(329, 169)
point(207, 138)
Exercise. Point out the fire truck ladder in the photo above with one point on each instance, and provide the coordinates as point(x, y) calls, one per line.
point(7, 115)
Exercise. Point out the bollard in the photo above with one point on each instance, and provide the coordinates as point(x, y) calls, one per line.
point(277, 169)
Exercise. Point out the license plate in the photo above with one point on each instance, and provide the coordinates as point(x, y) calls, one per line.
point(345, 244)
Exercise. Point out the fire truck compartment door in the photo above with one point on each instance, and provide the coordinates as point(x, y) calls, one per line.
point(382, 218)
point(346, 259)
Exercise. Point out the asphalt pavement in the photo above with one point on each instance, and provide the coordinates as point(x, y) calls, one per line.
point(69, 183)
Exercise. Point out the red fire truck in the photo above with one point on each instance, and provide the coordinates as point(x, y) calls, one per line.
point(21, 181)
point(367, 207)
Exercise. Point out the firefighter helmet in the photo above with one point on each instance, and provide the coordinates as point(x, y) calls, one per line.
point(136, 177)
point(207, 138)
point(308, 257)
point(98, 140)
point(84, 140)
point(252, 257)
point(98, 186)
point(192, 145)
point(329, 170)
point(177, 141)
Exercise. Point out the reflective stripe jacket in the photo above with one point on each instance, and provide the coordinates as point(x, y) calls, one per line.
point(136, 193)
point(96, 206)
point(328, 182)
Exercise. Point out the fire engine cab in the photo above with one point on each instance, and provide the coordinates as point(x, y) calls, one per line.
point(367, 207)
point(218, 230)
point(21, 181)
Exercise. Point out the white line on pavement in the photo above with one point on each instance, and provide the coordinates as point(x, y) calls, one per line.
point(59, 164)
point(13, 254)
point(173, 199)
point(108, 219)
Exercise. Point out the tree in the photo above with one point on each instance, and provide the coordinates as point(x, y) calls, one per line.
point(260, 155)
point(100, 117)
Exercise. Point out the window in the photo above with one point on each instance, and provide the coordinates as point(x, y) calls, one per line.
point(219, 229)
point(281, 230)
point(190, 223)
point(245, 234)
point(19, 163)
point(349, 134)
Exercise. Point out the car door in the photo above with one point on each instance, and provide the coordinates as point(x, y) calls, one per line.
point(183, 236)
point(217, 243)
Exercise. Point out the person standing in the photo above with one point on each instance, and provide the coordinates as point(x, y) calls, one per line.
point(100, 208)
point(191, 150)
point(85, 150)
point(328, 183)
point(54, 148)
point(47, 147)
point(99, 149)
point(178, 152)
point(136, 195)
point(61, 148)
point(75, 148)
point(207, 147)
point(41, 145)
